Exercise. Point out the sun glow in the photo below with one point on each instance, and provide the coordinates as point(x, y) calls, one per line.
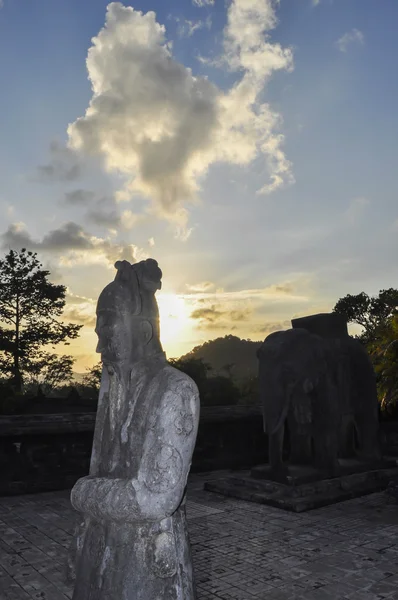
point(174, 319)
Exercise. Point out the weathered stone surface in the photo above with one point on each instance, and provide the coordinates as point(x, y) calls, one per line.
point(304, 488)
point(392, 488)
point(296, 386)
point(326, 325)
point(356, 390)
point(31, 460)
point(321, 381)
point(132, 541)
point(240, 550)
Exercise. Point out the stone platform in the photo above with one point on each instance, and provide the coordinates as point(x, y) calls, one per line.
point(302, 487)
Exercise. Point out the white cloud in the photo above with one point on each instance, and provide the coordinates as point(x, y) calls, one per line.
point(187, 28)
point(1, 4)
point(150, 117)
point(355, 210)
point(351, 37)
point(202, 3)
point(200, 287)
point(283, 292)
point(64, 165)
point(79, 197)
point(80, 309)
point(72, 245)
point(230, 310)
point(315, 2)
point(106, 213)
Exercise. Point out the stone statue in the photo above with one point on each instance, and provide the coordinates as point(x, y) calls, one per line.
point(296, 386)
point(321, 381)
point(356, 384)
point(132, 542)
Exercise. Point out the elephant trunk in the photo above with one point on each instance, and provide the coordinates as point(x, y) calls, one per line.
point(275, 402)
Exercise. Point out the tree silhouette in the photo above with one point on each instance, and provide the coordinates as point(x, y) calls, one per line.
point(92, 379)
point(30, 306)
point(196, 368)
point(373, 313)
point(378, 315)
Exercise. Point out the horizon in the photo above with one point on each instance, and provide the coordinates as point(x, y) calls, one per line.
point(247, 146)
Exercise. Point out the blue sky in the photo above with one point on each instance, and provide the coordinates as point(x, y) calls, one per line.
point(239, 261)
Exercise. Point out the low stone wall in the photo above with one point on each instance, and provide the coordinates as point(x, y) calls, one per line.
point(51, 451)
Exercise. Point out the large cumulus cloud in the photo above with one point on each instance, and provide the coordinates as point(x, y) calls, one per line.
point(155, 122)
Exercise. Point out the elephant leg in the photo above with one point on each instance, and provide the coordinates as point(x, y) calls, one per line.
point(300, 442)
point(275, 449)
point(347, 438)
point(368, 439)
point(326, 451)
point(301, 449)
point(326, 427)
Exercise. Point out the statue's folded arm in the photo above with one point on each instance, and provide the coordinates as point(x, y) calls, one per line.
point(159, 487)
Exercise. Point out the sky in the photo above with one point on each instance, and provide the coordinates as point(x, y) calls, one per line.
point(249, 146)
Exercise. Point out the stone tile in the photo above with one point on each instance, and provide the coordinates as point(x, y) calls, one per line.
point(241, 551)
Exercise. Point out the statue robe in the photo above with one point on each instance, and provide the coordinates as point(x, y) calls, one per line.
point(133, 543)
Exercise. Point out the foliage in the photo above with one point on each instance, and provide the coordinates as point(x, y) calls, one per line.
point(92, 379)
point(378, 316)
point(30, 307)
point(373, 314)
point(12, 402)
point(214, 390)
point(249, 393)
point(47, 372)
point(384, 353)
point(220, 391)
point(196, 368)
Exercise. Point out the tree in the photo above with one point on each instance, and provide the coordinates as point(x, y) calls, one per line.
point(385, 359)
point(92, 379)
point(373, 314)
point(48, 372)
point(378, 316)
point(220, 391)
point(215, 390)
point(30, 307)
point(249, 392)
point(196, 368)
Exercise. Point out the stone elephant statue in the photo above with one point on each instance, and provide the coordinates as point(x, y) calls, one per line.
point(296, 385)
point(354, 378)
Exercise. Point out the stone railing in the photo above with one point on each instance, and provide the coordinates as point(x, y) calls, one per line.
point(51, 451)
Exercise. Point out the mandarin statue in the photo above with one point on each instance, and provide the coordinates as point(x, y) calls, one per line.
point(132, 540)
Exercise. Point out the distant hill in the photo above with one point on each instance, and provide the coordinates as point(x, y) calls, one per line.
point(229, 356)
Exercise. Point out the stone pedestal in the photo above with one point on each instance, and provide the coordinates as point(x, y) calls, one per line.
point(304, 487)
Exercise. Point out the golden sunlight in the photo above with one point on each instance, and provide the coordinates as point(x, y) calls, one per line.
point(174, 318)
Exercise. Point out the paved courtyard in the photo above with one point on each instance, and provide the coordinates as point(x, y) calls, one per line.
point(241, 550)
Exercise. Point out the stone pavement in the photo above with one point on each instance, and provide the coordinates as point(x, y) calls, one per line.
point(241, 550)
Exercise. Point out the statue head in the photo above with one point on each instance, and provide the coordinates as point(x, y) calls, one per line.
point(127, 314)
